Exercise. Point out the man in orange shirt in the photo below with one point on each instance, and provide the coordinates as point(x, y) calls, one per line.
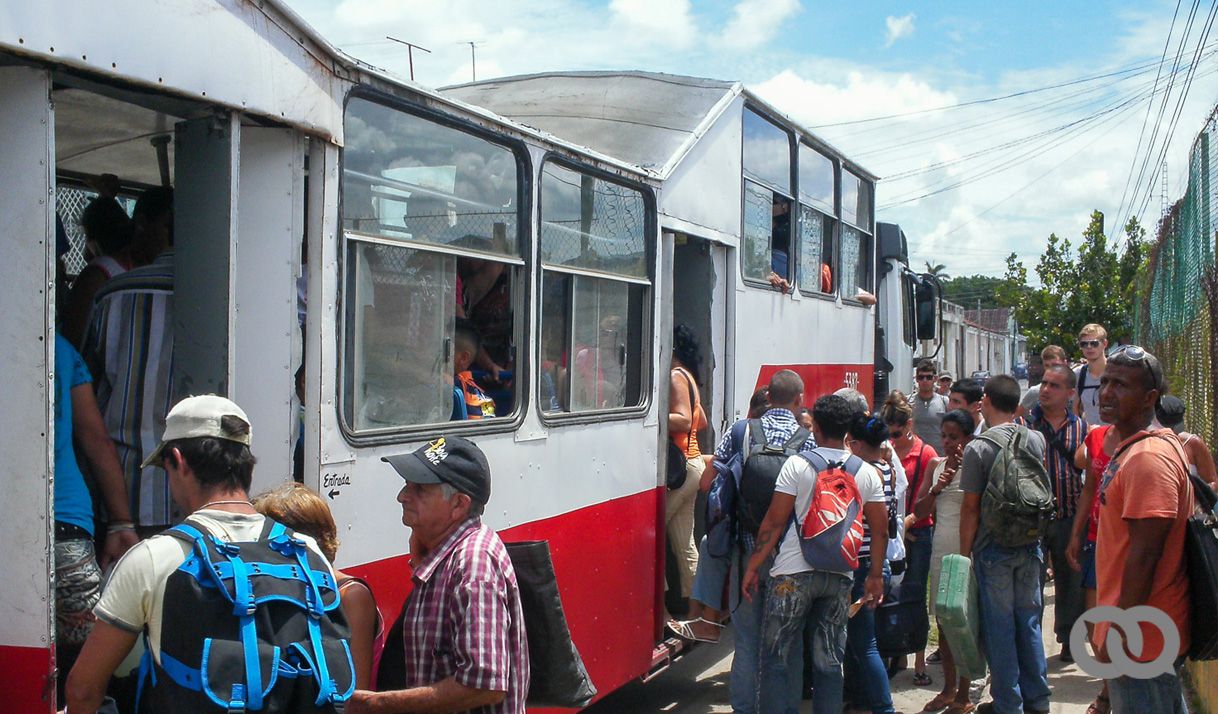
point(1145, 501)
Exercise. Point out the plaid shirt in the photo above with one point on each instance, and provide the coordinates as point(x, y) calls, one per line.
point(779, 425)
point(463, 619)
point(1067, 481)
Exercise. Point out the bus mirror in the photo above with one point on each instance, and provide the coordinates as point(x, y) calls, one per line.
point(927, 308)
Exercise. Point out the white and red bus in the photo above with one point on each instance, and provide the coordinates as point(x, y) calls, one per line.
point(325, 213)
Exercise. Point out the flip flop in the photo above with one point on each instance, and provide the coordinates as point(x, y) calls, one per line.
point(685, 630)
point(939, 703)
point(922, 679)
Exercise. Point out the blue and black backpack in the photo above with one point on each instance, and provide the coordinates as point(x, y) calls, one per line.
point(251, 626)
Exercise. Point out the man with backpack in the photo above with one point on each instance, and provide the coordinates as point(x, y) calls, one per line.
point(751, 455)
point(1145, 503)
point(1008, 503)
point(1064, 433)
point(216, 638)
point(815, 521)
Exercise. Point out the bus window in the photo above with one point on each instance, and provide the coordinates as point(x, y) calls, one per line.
point(856, 237)
point(595, 292)
point(815, 251)
point(766, 232)
point(431, 218)
point(816, 179)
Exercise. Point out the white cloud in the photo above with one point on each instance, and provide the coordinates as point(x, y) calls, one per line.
point(814, 102)
point(668, 21)
point(898, 27)
point(754, 22)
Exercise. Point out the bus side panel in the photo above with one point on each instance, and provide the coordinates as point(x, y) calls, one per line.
point(604, 560)
point(27, 353)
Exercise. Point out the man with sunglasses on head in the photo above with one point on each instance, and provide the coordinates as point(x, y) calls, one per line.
point(1145, 502)
point(1093, 341)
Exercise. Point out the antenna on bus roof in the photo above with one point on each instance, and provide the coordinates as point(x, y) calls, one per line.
point(473, 60)
point(410, 48)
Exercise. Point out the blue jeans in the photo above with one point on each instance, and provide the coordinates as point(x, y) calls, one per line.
point(817, 602)
point(917, 563)
point(746, 624)
point(866, 683)
point(710, 576)
point(1008, 585)
point(1141, 696)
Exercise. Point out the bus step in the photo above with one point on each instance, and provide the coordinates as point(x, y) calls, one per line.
point(664, 654)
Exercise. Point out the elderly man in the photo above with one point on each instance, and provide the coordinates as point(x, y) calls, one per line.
point(465, 644)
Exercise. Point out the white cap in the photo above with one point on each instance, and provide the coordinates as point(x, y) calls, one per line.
point(201, 416)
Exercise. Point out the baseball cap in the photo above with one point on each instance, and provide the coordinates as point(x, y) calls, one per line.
point(943, 375)
point(200, 416)
point(452, 460)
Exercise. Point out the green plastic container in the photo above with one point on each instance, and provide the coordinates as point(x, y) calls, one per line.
point(958, 614)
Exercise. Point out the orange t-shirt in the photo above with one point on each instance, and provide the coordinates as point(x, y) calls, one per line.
point(687, 441)
point(1148, 481)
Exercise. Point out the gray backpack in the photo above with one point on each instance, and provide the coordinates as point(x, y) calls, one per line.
point(1018, 502)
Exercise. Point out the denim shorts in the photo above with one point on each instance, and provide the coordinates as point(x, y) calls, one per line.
point(77, 589)
point(1088, 565)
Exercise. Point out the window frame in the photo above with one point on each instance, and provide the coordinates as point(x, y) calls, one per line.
point(522, 298)
point(793, 142)
point(868, 232)
point(558, 419)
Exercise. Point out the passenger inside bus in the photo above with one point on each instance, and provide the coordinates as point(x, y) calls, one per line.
point(484, 296)
point(469, 401)
point(109, 234)
point(780, 244)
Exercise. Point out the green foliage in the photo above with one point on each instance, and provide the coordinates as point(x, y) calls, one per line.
point(1094, 283)
point(967, 290)
point(938, 270)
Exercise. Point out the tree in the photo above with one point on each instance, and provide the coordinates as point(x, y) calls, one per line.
point(939, 270)
point(1093, 284)
point(968, 290)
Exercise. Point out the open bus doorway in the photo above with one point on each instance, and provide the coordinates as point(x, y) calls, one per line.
point(699, 302)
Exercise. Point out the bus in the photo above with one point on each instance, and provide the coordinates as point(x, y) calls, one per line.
point(336, 221)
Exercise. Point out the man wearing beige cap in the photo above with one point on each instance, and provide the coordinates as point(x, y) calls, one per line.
point(206, 454)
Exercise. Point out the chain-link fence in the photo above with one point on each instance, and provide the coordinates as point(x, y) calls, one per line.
point(1178, 318)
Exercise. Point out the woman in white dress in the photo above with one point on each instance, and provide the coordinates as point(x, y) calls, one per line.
point(940, 494)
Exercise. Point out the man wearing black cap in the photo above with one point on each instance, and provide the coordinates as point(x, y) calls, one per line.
point(465, 602)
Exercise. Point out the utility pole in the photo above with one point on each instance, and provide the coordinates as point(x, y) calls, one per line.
point(410, 48)
point(473, 60)
point(1163, 193)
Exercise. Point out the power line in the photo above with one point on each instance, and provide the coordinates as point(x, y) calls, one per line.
point(988, 100)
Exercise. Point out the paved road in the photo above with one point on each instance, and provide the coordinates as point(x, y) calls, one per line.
point(697, 684)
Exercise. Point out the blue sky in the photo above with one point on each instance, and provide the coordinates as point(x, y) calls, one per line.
point(1015, 173)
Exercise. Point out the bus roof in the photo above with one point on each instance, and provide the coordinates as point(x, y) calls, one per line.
point(259, 58)
point(649, 119)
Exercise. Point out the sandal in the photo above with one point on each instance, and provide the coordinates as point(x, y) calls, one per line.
point(922, 679)
point(685, 630)
point(940, 702)
point(935, 657)
point(1101, 705)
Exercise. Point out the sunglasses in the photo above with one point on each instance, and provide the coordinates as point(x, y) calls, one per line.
point(1089, 343)
point(925, 377)
point(1135, 353)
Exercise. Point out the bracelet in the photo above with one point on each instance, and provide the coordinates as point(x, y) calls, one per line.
point(119, 528)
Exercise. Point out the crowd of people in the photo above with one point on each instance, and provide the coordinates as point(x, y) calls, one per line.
point(817, 517)
point(1082, 481)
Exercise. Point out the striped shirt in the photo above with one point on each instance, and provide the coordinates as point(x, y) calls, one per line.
point(1060, 446)
point(884, 469)
point(463, 619)
point(779, 425)
point(129, 351)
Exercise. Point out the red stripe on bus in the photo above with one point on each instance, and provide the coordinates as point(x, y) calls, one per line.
point(605, 559)
point(821, 379)
point(27, 672)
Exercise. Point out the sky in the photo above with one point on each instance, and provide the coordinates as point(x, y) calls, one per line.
point(968, 184)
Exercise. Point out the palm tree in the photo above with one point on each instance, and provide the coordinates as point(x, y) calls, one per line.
point(939, 270)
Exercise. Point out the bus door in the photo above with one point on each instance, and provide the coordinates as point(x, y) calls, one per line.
point(699, 301)
point(27, 353)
